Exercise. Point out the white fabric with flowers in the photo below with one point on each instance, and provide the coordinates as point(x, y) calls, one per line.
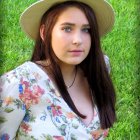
point(32, 109)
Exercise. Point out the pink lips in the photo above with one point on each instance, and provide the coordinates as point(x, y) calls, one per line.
point(76, 52)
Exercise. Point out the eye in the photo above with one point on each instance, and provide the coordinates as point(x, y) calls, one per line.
point(86, 30)
point(67, 29)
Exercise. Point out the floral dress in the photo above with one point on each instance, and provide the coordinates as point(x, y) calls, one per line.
point(32, 109)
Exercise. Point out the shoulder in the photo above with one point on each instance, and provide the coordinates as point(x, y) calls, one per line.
point(20, 85)
point(10, 81)
point(107, 62)
point(11, 103)
point(24, 70)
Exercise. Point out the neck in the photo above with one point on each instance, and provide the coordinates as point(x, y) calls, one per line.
point(68, 72)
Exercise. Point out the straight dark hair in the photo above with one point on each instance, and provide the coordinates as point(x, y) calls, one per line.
point(93, 66)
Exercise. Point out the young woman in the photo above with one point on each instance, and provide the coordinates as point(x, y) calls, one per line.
point(64, 92)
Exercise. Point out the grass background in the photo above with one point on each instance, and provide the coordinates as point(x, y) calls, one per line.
point(121, 45)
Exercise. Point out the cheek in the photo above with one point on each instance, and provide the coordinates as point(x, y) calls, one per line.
point(59, 39)
point(58, 43)
point(87, 40)
point(88, 44)
point(55, 38)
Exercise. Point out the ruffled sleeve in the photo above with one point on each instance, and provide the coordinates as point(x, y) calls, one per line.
point(106, 58)
point(12, 109)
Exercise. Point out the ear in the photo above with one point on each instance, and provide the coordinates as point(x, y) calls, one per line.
point(42, 32)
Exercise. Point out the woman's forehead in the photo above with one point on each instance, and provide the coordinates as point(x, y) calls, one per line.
point(72, 15)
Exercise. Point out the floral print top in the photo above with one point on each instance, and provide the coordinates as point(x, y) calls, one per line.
point(32, 109)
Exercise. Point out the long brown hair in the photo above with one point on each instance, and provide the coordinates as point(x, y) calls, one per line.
point(93, 66)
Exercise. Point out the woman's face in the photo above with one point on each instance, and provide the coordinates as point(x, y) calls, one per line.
point(71, 39)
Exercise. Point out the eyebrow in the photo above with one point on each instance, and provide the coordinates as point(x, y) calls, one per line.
point(72, 24)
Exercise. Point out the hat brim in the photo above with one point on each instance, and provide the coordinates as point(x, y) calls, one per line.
point(31, 17)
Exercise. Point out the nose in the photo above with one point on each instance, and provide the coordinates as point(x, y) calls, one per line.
point(77, 39)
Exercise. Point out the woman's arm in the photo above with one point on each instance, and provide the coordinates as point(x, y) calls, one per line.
point(12, 109)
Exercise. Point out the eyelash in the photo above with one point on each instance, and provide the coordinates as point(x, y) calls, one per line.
point(86, 30)
point(69, 29)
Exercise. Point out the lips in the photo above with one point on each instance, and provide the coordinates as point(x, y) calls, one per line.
point(76, 52)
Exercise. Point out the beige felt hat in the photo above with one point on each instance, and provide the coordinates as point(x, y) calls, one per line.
point(31, 17)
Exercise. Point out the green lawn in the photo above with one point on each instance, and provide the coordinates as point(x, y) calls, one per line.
point(121, 45)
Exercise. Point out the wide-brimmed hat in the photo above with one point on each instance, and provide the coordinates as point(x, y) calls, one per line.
point(31, 17)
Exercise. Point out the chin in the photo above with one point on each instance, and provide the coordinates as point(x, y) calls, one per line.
point(75, 63)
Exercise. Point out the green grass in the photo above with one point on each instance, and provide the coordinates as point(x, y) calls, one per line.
point(121, 45)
